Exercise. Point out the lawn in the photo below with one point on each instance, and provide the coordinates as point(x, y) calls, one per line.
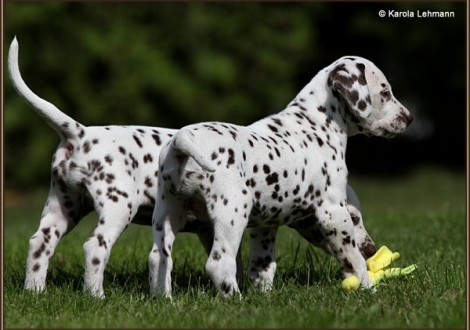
point(422, 215)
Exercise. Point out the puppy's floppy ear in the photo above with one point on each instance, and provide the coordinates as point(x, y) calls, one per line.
point(349, 80)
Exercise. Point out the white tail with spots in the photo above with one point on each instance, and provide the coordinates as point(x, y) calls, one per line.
point(58, 120)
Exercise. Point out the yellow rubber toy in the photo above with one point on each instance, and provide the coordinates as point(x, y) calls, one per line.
point(375, 268)
point(381, 259)
point(351, 283)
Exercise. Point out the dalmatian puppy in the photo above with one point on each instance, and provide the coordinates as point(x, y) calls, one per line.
point(286, 169)
point(112, 170)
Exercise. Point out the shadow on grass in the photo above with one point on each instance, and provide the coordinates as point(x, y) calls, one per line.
point(123, 281)
point(313, 268)
point(310, 267)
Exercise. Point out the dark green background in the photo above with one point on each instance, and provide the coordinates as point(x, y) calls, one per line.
point(172, 64)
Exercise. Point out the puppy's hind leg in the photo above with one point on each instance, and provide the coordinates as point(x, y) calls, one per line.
point(168, 219)
point(206, 237)
point(114, 217)
point(64, 208)
point(230, 220)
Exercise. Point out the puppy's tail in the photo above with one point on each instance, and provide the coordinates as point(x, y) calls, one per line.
point(60, 122)
point(184, 142)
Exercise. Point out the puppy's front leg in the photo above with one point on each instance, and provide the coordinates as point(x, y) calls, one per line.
point(338, 229)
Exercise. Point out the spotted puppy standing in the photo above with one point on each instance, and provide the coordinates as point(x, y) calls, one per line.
point(288, 168)
point(112, 170)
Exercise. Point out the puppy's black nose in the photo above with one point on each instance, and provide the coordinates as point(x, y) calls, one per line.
point(409, 118)
point(406, 116)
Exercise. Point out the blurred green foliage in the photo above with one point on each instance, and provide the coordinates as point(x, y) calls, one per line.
point(171, 64)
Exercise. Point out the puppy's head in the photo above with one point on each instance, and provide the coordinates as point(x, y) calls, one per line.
point(368, 96)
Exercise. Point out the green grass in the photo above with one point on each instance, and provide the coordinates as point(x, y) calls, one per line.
point(422, 216)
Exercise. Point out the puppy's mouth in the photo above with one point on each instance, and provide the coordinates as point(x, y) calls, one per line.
point(382, 132)
point(387, 134)
point(392, 129)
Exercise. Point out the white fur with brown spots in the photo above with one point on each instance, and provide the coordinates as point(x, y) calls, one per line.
point(109, 169)
point(286, 169)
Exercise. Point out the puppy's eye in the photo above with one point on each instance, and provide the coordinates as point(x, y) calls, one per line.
point(386, 94)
